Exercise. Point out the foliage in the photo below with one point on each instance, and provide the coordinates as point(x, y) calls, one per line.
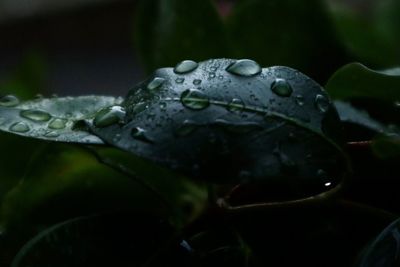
point(215, 161)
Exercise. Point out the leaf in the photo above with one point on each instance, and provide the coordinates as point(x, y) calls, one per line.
point(229, 121)
point(114, 239)
point(285, 33)
point(387, 146)
point(168, 31)
point(355, 80)
point(53, 119)
point(384, 249)
point(379, 44)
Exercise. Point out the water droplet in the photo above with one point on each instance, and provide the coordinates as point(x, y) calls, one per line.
point(196, 82)
point(299, 100)
point(180, 80)
point(19, 127)
point(211, 75)
point(236, 105)
point(244, 67)
point(281, 87)
point(58, 123)
point(9, 101)
point(35, 115)
point(109, 116)
point(155, 83)
point(163, 105)
point(187, 128)
point(140, 134)
point(213, 69)
point(194, 99)
point(185, 66)
point(322, 103)
point(51, 134)
point(221, 77)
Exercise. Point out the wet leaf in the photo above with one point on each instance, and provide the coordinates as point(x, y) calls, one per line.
point(384, 249)
point(114, 239)
point(355, 80)
point(233, 126)
point(54, 119)
point(168, 31)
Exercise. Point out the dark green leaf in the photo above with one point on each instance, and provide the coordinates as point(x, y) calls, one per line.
point(55, 119)
point(234, 126)
point(387, 146)
point(357, 81)
point(169, 31)
point(285, 33)
point(369, 29)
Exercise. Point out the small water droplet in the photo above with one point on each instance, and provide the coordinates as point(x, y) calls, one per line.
point(155, 83)
point(9, 101)
point(281, 87)
point(299, 100)
point(211, 75)
point(196, 82)
point(194, 99)
point(179, 80)
point(109, 116)
point(244, 67)
point(187, 128)
point(58, 123)
point(163, 105)
point(221, 77)
point(185, 66)
point(19, 127)
point(51, 134)
point(213, 69)
point(140, 134)
point(322, 103)
point(236, 105)
point(35, 115)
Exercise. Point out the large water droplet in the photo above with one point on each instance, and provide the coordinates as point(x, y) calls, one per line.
point(322, 103)
point(244, 67)
point(9, 101)
point(19, 127)
point(281, 87)
point(187, 128)
point(109, 116)
point(58, 124)
point(236, 105)
point(194, 99)
point(35, 115)
point(155, 83)
point(185, 66)
point(140, 134)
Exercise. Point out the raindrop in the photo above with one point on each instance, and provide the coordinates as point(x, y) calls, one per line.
point(213, 69)
point(244, 67)
point(19, 127)
point(322, 103)
point(281, 87)
point(185, 66)
point(194, 99)
point(140, 134)
point(109, 116)
point(51, 134)
point(196, 82)
point(9, 101)
point(187, 128)
point(236, 105)
point(35, 115)
point(155, 83)
point(58, 123)
point(211, 75)
point(299, 100)
point(180, 80)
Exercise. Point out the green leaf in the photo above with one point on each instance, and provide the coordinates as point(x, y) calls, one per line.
point(355, 80)
point(114, 239)
point(169, 31)
point(370, 30)
point(229, 121)
point(54, 119)
point(285, 33)
point(387, 146)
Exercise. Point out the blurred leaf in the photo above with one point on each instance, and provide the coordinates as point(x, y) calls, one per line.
point(53, 119)
point(384, 250)
point(369, 29)
point(387, 146)
point(354, 80)
point(114, 239)
point(169, 31)
point(285, 33)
